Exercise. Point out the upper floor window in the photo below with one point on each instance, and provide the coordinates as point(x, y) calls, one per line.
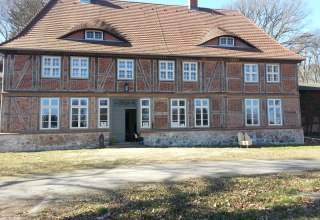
point(166, 69)
point(190, 71)
point(251, 73)
point(252, 111)
point(49, 117)
point(274, 112)
point(94, 35)
point(85, 1)
point(79, 67)
point(273, 73)
point(51, 67)
point(226, 41)
point(125, 69)
point(201, 112)
point(178, 113)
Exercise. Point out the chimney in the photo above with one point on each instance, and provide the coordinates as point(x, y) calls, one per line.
point(193, 4)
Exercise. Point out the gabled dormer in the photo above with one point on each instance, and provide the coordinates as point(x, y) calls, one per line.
point(95, 31)
point(218, 37)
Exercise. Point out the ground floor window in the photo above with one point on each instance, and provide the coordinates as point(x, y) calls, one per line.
point(274, 112)
point(252, 111)
point(103, 113)
point(201, 112)
point(145, 113)
point(79, 113)
point(178, 113)
point(49, 118)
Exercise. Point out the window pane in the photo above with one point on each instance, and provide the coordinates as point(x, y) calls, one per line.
point(98, 35)
point(145, 103)
point(83, 102)
point(104, 102)
point(75, 102)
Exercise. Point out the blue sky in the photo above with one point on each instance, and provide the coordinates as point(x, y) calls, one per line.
point(313, 5)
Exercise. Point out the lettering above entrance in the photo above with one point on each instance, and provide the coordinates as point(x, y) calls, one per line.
point(124, 103)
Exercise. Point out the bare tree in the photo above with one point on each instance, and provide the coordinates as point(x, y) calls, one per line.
point(279, 18)
point(15, 14)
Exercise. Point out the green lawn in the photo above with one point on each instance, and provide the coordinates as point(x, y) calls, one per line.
point(13, 164)
point(277, 196)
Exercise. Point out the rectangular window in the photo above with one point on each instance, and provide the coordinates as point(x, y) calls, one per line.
point(273, 73)
point(94, 35)
point(251, 73)
point(226, 41)
point(79, 67)
point(145, 113)
point(252, 111)
point(51, 67)
point(79, 113)
point(178, 113)
point(190, 71)
point(125, 69)
point(166, 70)
point(103, 114)
point(201, 112)
point(274, 112)
point(49, 118)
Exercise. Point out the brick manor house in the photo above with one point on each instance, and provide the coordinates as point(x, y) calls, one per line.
point(176, 75)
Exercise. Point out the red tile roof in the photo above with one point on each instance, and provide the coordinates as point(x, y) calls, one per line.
point(151, 29)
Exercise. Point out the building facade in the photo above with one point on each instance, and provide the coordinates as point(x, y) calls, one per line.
point(177, 76)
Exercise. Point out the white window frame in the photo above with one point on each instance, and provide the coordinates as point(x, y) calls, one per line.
point(49, 107)
point(274, 107)
point(189, 71)
point(201, 108)
point(94, 35)
point(51, 67)
point(85, 1)
point(79, 68)
point(227, 44)
point(79, 106)
point(142, 125)
point(252, 107)
point(125, 69)
point(108, 112)
point(178, 113)
point(251, 73)
point(273, 73)
point(166, 62)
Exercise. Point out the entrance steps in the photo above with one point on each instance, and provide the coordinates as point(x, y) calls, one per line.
point(126, 145)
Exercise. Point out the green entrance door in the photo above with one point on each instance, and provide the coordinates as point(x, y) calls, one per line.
point(124, 119)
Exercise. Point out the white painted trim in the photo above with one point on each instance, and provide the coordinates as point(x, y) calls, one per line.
point(274, 107)
point(79, 106)
point(195, 113)
point(273, 73)
point(145, 107)
point(189, 72)
point(108, 107)
point(125, 69)
point(252, 107)
point(51, 67)
point(94, 35)
point(79, 68)
point(50, 107)
point(226, 44)
point(166, 70)
point(250, 72)
point(178, 113)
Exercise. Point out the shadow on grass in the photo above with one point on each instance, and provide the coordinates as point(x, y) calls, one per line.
point(208, 198)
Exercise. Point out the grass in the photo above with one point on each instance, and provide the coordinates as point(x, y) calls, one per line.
point(277, 196)
point(49, 162)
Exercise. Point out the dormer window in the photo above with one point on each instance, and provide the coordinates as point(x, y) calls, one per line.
point(85, 1)
point(94, 35)
point(226, 41)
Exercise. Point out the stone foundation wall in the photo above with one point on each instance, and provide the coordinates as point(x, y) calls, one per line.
point(222, 138)
point(42, 142)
